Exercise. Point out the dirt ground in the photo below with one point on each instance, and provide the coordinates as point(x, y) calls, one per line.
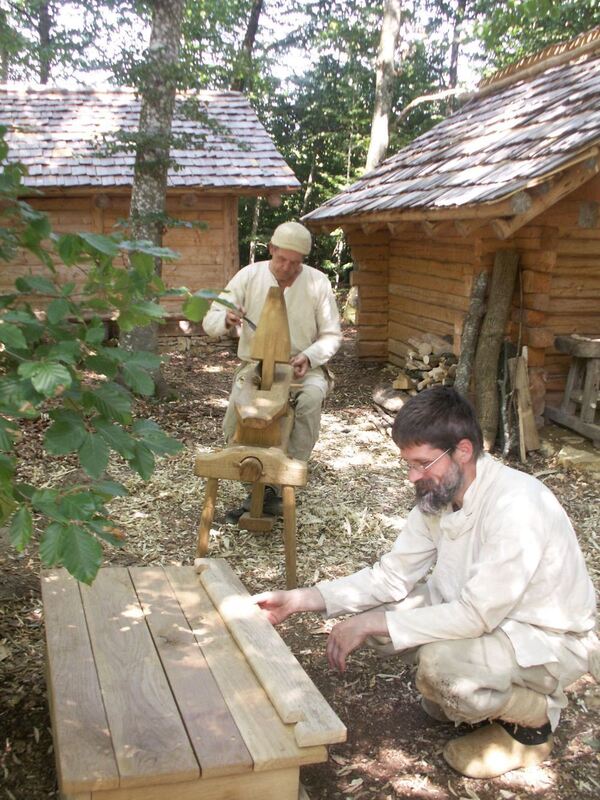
point(356, 495)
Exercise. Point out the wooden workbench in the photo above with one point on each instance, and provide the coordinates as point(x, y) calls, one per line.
point(153, 696)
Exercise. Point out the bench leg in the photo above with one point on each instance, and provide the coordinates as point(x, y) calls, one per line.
point(289, 535)
point(208, 513)
point(591, 390)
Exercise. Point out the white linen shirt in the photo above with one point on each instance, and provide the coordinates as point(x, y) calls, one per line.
point(508, 558)
point(313, 317)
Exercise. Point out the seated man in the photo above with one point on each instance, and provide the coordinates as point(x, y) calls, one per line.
point(315, 335)
point(504, 621)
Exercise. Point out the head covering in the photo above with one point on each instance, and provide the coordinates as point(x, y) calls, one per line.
point(292, 236)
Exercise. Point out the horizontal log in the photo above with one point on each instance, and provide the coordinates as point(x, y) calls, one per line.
point(370, 318)
point(567, 305)
point(441, 252)
point(373, 252)
point(527, 316)
point(419, 324)
point(368, 333)
point(366, 278)
point(373, 304)
point(426, 310)
point(375, 266)
point(578, 247)
point(429, 283)
point(536, 302)
point(567, 324)
point(538, 337)
point(421, 266)
point(532, 281)
point(378, 238)
point(373, 292)
point(426, 296)
point(588, 286)
point(374, 350)
point(577, 266)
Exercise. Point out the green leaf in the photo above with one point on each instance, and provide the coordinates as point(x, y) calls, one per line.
point(146, 308)
point(57, 310)
point(112, 401)
point(69, 248)
point(7, 468)
point(142, 461)
point(21, 528)
point(80, 505)
point(101, 243)
point(46, 376)
point(141, 358)
point(115, 437)
point(105, 529)
point(64, 437)
point(45, 501)
point(93, 455)
point(8, 431)
point(155, 438)
point(51, 544)
point(95, 332)
point(67, 351)
point(108, 489)
point(195, 308)
point(138, 379)
point(37, 284)
point(81, 553)
point(101, 365)
point(12, 336)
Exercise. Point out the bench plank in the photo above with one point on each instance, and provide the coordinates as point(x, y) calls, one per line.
point(290, 689)
point(85, 758)
point(279, 784)
point(150, 741)
point(215, 738)
point(270, 742)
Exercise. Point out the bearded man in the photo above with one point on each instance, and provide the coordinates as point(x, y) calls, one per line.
point(485, 590)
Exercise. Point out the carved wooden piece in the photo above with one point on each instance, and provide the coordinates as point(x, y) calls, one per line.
point(293, 694)
point(271, 341)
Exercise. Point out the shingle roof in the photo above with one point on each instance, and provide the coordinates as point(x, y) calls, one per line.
point(493, 147)
point(53, 132)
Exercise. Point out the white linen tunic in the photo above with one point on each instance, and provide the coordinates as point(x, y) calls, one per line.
point(313, 317)
point(508, 559)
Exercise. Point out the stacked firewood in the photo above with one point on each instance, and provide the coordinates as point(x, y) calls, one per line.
point(429, 362)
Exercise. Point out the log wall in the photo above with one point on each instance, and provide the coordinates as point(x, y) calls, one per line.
point(209, 255)
point(370, 253)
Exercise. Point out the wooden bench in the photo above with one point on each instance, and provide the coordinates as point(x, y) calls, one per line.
point(164, 683)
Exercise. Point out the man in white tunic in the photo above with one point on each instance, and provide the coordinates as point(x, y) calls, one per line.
point(502, 623)
point(315, 334)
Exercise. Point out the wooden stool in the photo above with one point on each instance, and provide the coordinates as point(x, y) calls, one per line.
point(166, 684)
point(261, 466)
point(582, 390)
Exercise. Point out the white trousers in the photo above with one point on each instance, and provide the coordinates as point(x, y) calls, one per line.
point(473, 679)
point(307, 401)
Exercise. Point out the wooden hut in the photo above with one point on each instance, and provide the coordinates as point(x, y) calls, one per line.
point(60, 136)
point(516, 168)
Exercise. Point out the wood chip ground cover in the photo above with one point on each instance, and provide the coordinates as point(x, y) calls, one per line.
point(357, 494)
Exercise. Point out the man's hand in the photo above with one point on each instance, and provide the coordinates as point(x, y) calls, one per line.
point(301, 365)
point(233, 318)
point(347, 636)
point(279, 605)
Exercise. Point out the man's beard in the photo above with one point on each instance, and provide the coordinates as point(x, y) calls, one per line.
point(433, 497)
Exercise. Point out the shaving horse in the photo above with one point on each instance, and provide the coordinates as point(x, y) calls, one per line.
point(257, 453)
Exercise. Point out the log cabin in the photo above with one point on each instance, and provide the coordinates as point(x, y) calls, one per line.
point(63, 138)
point(515, 168)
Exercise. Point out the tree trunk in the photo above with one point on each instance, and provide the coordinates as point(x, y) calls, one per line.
point(44, 26)
point(490, 343)
point(310, 185)
point(454, 50)
point(254, 231)
point(384, 83)
point(148, 195)
point(244, 60)
point(470, 333)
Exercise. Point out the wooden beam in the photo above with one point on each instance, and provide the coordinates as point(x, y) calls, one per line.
point(571, 180)
point(371, 227)
point(588, 214)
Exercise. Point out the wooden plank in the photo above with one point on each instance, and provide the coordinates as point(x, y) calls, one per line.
point(274, 785)
point(431, 284)
point(213, 734)
point(375, 350)
point(429, 296)
point(84, 755)
point(420, 324)
point(426, 310)
point(291, 691)
point(419, 266)
point(149, 738)
point(271, 743)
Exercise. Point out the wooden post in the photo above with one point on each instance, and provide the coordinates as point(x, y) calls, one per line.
point(490, 343)
point(208, 513)
point(470, 333)
point(289, 535)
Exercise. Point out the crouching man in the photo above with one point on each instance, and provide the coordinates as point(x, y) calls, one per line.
point(504, 621)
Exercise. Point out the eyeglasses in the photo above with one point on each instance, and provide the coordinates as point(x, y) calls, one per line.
point(424, 467)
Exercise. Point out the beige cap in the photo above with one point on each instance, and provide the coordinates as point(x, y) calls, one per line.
point(292, 236)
